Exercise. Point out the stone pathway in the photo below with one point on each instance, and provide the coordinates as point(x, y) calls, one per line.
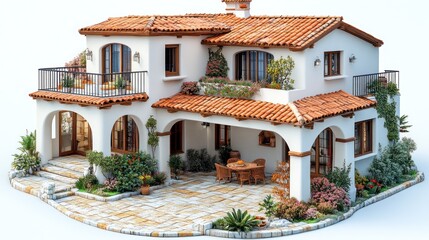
point(195, 199)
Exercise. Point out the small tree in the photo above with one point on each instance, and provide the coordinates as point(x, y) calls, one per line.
point(281, 177)
point(153, 138)
point(280, 71)
point(217, 66)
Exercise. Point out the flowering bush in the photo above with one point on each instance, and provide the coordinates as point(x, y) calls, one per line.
point(281, 177)
point(146, 179)
point(324, 191)
point(373, 186)
point(190, 88)
point(280, 71)
point(78, 61)
point(217, 65)
point(110, 184)
point(312, 213)
point(291, 209)
point(325, 208)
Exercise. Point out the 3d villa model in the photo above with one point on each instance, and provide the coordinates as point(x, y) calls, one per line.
point(326, 121)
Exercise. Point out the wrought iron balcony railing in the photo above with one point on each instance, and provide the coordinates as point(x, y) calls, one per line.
point(75, 80)
point(363, 83)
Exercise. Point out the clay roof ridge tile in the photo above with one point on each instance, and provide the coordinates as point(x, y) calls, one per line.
point(300, 119)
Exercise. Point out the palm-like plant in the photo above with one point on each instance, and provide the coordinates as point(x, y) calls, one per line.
point(240, 221)
point(28, 159)
point(403, 124)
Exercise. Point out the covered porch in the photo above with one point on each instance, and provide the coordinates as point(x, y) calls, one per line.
point(313, 134)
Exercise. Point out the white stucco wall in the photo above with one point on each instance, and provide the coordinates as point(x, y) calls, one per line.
point(366, 62)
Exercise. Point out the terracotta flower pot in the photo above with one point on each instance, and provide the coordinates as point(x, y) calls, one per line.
point(145, 190)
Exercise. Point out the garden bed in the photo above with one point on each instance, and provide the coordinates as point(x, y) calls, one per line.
point(116, 197)
point(294, 228)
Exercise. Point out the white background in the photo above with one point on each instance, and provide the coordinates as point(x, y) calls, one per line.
point(44, 33)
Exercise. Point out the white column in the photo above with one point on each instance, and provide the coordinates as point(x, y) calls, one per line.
point(300, 176)
point(44, 138)
point(164, 155)
point(344, 153)
point(101, 134)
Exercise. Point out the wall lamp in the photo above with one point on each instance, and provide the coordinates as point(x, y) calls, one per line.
point(205, 124)
point(317, 61)
point(88, 54)
point(352, 58)
point(136, 57)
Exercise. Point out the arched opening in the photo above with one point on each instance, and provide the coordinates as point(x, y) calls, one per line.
point(322, 154)
point(125, 135)
point(116, 58)
point(252, 65)
point(75, 135)
point(176, 138)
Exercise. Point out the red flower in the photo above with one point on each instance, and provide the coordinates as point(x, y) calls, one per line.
point(370, 186)
point(373, 180)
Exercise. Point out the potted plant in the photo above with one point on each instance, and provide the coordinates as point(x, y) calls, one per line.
point(120, 84)
point(146, 181)
point(67, 83)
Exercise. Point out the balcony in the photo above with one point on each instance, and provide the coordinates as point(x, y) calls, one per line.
point(75, 80)
point(362, 82)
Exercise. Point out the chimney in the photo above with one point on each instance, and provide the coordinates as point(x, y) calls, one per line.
point(241, 8)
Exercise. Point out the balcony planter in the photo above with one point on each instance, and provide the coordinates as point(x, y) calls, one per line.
point(229, 90)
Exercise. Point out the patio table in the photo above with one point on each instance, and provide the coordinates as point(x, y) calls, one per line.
point(247, 166)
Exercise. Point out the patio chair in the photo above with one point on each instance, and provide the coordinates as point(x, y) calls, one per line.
point(259, 174)
point(222, 173)
point(232, 160)
point(259, 161)
point(244, 176)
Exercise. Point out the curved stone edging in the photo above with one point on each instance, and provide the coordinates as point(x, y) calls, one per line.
point(205, 229)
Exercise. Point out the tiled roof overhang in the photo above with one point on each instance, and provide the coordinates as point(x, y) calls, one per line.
point(100, 102)
point(299, 113)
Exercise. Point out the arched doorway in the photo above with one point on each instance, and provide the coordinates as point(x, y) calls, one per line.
point(75, 134)
point(322, 154)
point(125, 135)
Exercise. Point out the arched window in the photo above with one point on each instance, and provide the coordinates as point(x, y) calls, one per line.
point(116, 58)
point(125, 136)
point(252, 65)
point(321, 154)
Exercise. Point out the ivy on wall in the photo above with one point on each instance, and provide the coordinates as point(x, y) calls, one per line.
point(386, 107)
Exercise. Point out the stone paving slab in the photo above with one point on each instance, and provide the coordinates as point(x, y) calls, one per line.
point(62, 171)
point(186, 208)
point(76, 163)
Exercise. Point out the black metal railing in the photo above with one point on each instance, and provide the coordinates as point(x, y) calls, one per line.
point(75, 80)
point(363, 85)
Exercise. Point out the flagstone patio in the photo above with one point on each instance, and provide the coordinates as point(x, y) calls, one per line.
point(197, 198)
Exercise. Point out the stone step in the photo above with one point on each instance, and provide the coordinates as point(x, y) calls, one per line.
point(56, 177)
point(63, 195)
point(62, 171)
point(72, 164)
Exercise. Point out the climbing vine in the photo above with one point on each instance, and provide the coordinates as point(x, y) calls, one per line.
point(386, 107)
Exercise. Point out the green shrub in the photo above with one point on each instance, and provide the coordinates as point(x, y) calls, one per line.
point(240, 221)
point(384, 169)
point(175, 163)
point(129, 167)
point(28, 159)
point(325, 208)
point(159, 178)
point(268, 206)
point(95, 159)
point(87, 182)
point(200, 160)
point(217, 66)
point(400, 153)
point(291, 209)
point(340, 177)
point(219, 224)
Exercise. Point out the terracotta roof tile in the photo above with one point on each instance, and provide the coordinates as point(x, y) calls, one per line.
point(300, 112)
point(293, 32)
point(236, 1)
point(157, 25)
point(88, 100)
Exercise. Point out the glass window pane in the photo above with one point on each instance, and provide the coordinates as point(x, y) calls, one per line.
point(116, 54)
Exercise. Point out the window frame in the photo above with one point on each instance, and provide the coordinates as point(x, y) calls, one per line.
point(176, 138)
point(328, 55)
point(176, 49)
point(124, 51)
point(267, 139)
point(366, 135)
point(227, 133)
point(326, 137)
point(248, 66)
point(124, 136)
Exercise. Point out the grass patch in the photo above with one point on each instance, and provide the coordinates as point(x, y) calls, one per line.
point(100, 192)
